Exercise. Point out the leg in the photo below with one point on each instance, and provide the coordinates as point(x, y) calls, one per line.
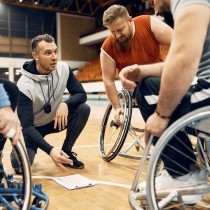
point(76, 122)
point(31, 152)
point(147, 96)
point(190, 188)
point(2, 142)
point(31, 146)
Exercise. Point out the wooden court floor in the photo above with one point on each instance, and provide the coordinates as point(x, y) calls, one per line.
point(115, 178)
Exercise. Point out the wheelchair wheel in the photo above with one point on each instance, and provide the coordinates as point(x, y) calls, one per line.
point(192, 132)
point(112, 137)
point(16, 193)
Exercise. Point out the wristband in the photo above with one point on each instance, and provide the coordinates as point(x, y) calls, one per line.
point(162, 116)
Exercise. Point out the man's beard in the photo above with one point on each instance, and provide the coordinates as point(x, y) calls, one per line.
point(125, 45)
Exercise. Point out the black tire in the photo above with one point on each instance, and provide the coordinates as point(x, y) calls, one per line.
point(110, 145)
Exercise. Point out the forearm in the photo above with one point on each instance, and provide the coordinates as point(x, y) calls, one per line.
point(33, 136)
point(112, 94)
point(150, 70)
point(175, 82)
point(76, 99)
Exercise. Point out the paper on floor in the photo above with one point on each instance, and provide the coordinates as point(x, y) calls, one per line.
point(75, 181)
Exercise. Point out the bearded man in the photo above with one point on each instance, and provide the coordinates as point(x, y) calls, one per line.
point(132, 41)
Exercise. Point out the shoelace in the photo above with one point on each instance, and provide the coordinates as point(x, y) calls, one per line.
point(74, 155)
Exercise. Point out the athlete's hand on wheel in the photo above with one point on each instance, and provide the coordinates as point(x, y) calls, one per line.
point(9, 124)
point(155, 126)
point(118, 116)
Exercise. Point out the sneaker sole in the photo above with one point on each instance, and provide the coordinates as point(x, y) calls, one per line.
point(81, 167)
point(70, 166)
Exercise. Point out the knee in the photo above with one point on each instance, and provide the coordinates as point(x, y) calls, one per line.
point(84, 109)
point(15, 160)
point(31, 155)
point(139, 91)
point(148, 86)
point(144, 84)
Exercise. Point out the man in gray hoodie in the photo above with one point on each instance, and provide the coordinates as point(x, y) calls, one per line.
point(41, 108)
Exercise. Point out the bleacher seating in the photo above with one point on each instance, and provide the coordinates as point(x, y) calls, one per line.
point(91, 72)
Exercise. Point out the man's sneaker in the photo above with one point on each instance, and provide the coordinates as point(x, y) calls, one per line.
point(75, 163)
point(164, 181)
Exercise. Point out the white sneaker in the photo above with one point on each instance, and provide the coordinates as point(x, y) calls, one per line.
point(164, 181)
point(160, 181)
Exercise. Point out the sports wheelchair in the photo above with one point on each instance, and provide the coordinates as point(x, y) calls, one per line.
point(18, 191)
point(112, 137)
point(196, 126)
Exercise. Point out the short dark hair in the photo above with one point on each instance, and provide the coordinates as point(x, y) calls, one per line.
point(44, 37)
point(114, 12)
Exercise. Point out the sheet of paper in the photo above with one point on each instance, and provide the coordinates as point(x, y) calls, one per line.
point(75, 181)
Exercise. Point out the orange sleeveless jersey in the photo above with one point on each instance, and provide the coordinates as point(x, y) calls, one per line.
point(145, 48)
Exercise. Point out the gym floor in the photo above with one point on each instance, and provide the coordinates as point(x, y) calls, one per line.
point(114, 179)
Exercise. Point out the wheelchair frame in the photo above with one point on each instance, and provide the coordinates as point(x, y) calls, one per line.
point(17, 193)
point(197, 121)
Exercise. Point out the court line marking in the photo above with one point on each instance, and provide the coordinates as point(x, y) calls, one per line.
point(94, 145)
point(96, 181)
point(79, 146)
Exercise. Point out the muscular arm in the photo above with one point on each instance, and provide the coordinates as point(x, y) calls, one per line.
point(151, 70)
point(184, 55)
point(108, 74)
point(132, 74)
point(162, 32)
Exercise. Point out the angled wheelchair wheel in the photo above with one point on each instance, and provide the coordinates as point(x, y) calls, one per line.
point(112, 136)
point(192, 131)
point(17, 192)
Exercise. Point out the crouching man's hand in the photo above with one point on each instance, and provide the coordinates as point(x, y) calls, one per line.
point(59, 157)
